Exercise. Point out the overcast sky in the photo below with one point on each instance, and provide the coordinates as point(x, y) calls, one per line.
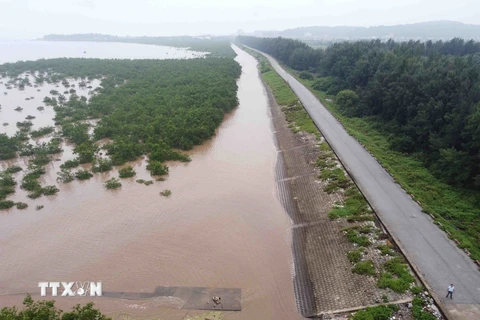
point(33, 18)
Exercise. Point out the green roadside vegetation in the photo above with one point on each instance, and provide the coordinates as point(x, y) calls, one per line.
point(286, 98)
point(355, 255)
point(376, 313)
point(414, 106)
point(365, 267)
point(394, 274)
point(354, 207)
point(451, 206)
point(418, 312)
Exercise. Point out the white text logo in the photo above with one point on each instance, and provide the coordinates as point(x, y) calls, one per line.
point(71, 289)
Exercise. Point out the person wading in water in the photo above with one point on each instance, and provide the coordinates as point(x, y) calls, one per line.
point(451, 288)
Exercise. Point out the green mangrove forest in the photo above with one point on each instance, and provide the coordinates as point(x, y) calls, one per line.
point(155, 108)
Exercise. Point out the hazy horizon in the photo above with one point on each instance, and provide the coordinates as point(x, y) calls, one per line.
point(27, 19)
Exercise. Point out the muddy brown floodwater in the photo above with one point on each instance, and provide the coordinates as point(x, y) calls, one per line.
point(223, 226)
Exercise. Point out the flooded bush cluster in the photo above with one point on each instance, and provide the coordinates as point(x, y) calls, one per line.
point(42, 132)
point(7, 204)
point(145, 182)
point(143, 107)
point(126, 172)
point(83, 175)
point(7, 183)
point(113, 183)
point(166, 193)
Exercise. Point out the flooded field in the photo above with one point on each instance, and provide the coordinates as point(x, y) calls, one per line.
point(221, 227)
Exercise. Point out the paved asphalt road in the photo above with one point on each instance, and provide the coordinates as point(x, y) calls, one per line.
point(438, 259)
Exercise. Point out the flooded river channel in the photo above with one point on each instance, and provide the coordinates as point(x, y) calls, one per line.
point(221, 227)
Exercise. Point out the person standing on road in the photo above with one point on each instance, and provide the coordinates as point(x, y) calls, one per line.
point(451, 288)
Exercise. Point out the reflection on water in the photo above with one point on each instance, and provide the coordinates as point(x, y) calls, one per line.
point(222, 226)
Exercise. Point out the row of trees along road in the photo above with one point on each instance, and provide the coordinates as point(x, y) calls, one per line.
point(425, 95)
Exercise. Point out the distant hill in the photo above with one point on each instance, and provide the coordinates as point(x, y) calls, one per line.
point(426, 30)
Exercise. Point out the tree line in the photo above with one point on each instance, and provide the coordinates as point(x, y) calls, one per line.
point(46, 310)
point(425, 95)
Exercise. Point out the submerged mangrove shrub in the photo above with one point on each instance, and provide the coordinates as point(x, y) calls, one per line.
point(112, 183)
point(166, 193)
point(21, 205)
point(50, 190)
point(41, 132)
point(13, 169)
point(69, 164)
point(83, 175)
point(126, 172)
point(6, 204)
point(156, 168)
point(102, 165)
point(7, 184)
point(65, 176)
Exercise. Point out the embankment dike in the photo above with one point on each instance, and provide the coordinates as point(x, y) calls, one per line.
point(436, 259)
point(323, 280)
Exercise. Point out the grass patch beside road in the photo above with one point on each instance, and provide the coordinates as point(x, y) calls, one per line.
point(396, 276)
point(294, 112)
point(365, 267)
point(376, 313)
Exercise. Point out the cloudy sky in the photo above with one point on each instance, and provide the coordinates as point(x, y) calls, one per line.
point(27, 19)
